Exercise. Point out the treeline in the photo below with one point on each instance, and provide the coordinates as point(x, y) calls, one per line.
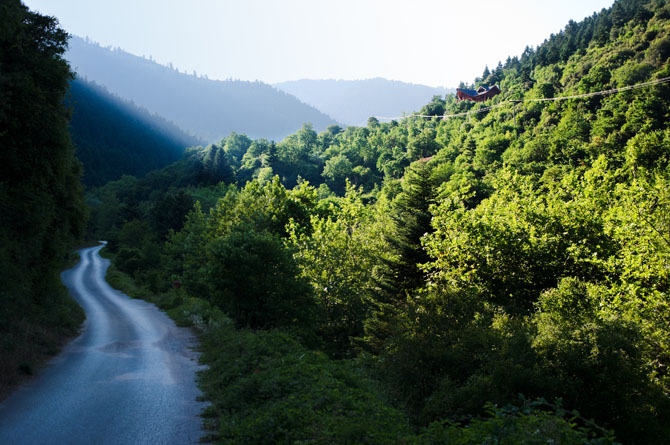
point(42, 210)
point(457, 263)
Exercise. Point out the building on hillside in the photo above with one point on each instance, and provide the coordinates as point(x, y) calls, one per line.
point(481, 94)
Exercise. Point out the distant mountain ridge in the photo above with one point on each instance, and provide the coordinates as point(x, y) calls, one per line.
point(352, 102)
point(209, 109)
point(113, 137)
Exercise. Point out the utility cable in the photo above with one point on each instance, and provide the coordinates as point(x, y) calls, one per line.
point(544, 99)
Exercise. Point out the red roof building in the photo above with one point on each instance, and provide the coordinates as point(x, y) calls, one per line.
point(480, 95)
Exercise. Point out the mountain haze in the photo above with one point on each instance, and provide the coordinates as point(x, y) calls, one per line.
point(352, 102)
point(209, 109)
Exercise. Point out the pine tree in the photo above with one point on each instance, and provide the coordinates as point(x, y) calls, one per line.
point(403, 277)
point(412, 221)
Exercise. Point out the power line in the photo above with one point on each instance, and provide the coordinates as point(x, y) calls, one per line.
point(603, 93)
point(545, 99)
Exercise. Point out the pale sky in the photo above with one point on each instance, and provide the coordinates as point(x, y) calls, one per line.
point(431, 42)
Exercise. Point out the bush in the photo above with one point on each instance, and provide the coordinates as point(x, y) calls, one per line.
point(511, 425)
point(659, 51)
point(253, 278)
point(129, 260)
point(267, 388)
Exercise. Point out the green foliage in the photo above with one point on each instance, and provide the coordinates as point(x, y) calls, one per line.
point(336, 171)
point(530, 424)
point(168, 213)
point(340, 256)
point(517, 243)
point(244, 230)
point(596, 364)
point(526, 252)
point(267, 296)
point(649, 150)
point(659, 51)
point(264, 387)
point(411, 222)
point(276, 391)
point(435, 108)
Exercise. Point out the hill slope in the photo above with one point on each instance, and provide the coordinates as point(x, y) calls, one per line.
point(521, 249)
point(353, 101)
point(210, 109)
point(114, 137)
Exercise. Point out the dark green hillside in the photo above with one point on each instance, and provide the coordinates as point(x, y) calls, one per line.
point(114, 137)
point(505, 269)
point(42, 212)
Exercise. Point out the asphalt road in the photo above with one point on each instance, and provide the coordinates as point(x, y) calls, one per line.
point(129, 378)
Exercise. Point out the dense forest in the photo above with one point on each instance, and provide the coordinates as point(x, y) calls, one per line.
point(502, 275)
point(206, 108)
point(42, 209)
point(352, 102)
point(114, 137)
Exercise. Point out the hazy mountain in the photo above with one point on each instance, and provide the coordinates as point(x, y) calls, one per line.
point(114, 137)
point(352, 102)
point(207, 108)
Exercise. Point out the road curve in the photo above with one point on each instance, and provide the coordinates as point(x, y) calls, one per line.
point(129, 378)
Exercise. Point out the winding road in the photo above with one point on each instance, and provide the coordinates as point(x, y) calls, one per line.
point(129, 378)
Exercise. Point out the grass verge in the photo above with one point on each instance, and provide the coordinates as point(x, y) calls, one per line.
point(36, 334)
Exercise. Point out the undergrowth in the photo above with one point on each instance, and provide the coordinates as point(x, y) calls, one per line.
point(265, 387)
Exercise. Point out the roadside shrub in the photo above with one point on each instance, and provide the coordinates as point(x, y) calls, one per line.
point(266, 388)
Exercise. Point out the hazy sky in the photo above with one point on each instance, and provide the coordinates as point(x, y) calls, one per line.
point(433, 42)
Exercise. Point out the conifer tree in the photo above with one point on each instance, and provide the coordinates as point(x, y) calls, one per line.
point(411, 221)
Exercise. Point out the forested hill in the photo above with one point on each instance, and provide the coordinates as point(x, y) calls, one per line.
point(209, 109)
point(352, 102)
point(114, 137)
point(42, 210)
point(501, 275)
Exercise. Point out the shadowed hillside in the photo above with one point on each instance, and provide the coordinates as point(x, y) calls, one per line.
point(113, 137)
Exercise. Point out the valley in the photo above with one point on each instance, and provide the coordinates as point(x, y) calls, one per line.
point(461, 272)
